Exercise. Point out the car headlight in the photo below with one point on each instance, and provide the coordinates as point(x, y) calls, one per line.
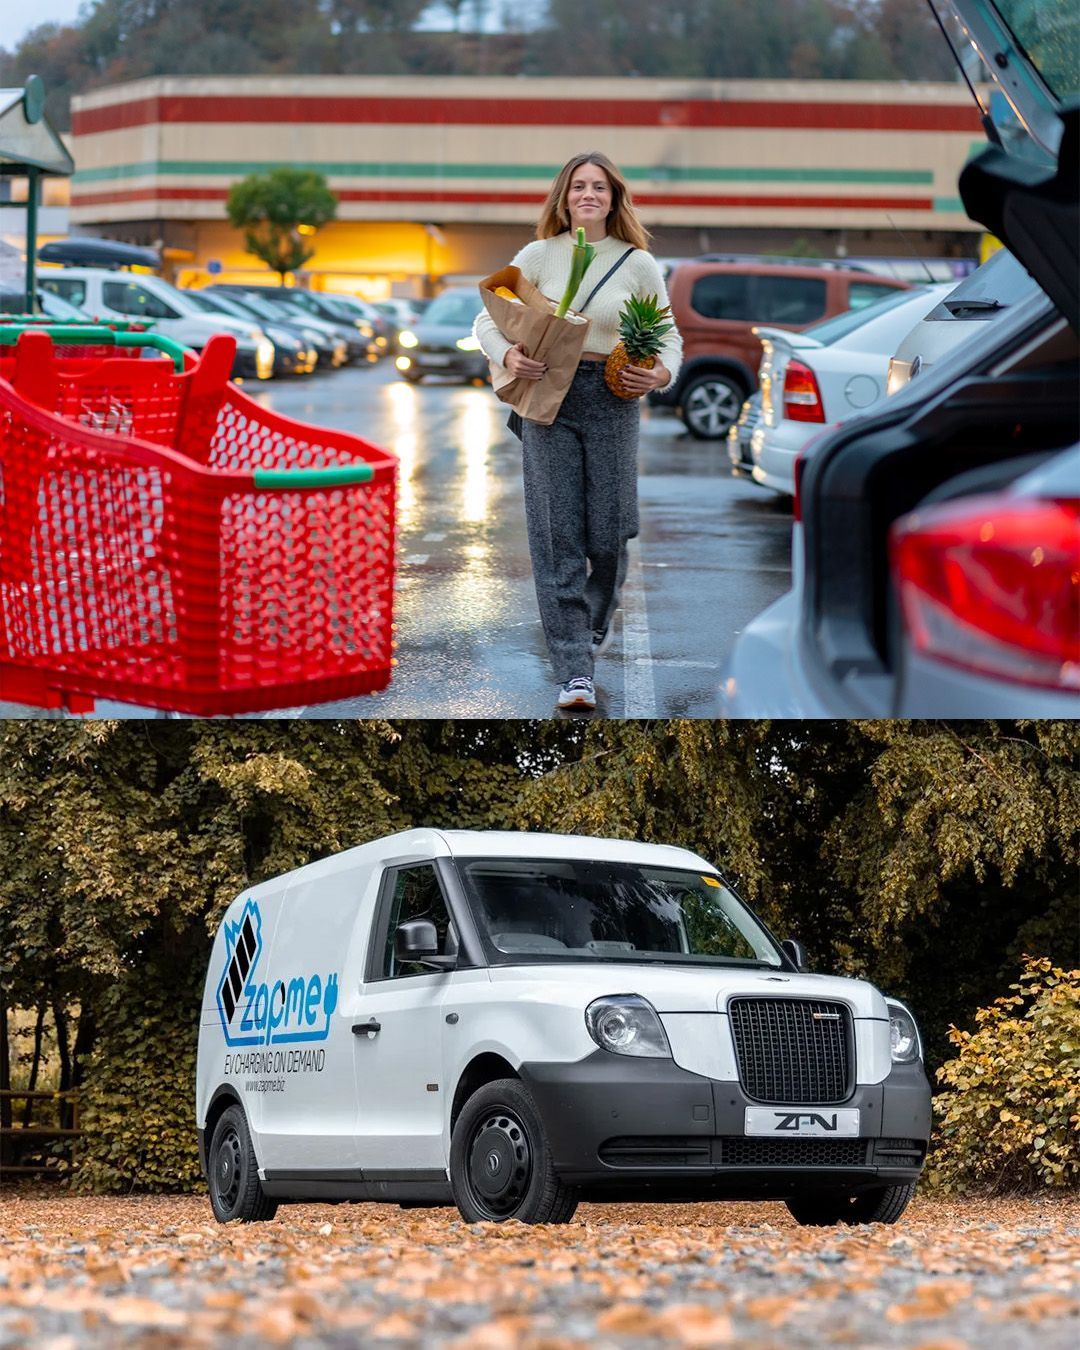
point(903, 1034)
point(627, 1024)
point(407, 338)
point(467, 344)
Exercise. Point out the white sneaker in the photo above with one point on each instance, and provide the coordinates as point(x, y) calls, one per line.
point(577, 693)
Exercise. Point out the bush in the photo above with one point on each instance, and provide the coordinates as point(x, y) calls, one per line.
point(138, 1116)
point(1009, 1119)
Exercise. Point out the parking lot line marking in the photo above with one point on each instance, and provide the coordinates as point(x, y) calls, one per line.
point(416, 559)
point(436, 537)
point(639, 698)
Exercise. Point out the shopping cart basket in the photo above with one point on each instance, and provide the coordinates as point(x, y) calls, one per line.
point(166, 541)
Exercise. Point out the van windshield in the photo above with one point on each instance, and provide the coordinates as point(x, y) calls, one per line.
point(545, 911)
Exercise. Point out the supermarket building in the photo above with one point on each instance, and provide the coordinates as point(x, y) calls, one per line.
point(444, 178)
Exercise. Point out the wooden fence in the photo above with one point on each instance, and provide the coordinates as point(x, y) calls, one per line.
point(27, 1149)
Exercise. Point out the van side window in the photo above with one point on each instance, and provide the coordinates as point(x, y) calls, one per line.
point(722, 295)
point(797, 300)
point(67, 288)
point(417, 895)
point(127, 297)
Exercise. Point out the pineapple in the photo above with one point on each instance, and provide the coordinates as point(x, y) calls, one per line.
point(642, 327)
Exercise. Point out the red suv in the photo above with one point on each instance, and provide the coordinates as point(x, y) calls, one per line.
point(716, 303)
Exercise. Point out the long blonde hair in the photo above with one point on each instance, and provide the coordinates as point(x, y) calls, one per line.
point(622, 221)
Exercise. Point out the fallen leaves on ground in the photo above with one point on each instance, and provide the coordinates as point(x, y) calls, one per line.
point(160, 1272)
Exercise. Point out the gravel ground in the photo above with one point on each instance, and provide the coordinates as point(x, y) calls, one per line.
point(157, 1271)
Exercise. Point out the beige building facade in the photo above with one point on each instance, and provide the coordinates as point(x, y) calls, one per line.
point(444, 178)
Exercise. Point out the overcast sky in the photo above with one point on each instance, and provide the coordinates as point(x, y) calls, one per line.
point(17, 19)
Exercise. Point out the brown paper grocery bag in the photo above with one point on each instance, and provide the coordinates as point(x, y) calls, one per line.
point(558, 342)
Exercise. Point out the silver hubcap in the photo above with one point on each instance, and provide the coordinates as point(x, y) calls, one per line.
point(712, 407)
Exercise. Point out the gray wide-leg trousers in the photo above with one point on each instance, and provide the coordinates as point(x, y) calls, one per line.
point(581, 507)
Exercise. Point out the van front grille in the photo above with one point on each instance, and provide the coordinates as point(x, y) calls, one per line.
point(739, 1152)
point(793, 1051)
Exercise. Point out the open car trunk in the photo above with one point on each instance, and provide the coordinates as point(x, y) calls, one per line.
point(979, 435)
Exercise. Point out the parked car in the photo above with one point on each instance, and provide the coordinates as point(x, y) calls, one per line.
point(977, 616)
point(716, 305)
point(515, 1022)
point(442, 342)
point(826, 374)
point(383, 326)
point(52, 306)
point(324, 338)
point(981, 298)
point(354, 331)
point(171, 312)
point(401, 313)
point(740, 434)
point(293, 355)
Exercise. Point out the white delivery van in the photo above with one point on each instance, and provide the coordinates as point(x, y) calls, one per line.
point(108, 294)
point(514, 1022)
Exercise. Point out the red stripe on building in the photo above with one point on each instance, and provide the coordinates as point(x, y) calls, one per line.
point(520, 198)
point(193, 108)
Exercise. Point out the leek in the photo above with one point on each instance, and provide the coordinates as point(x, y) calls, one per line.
point(583, 254)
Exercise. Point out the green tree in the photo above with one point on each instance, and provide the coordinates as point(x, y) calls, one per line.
point(278, 211)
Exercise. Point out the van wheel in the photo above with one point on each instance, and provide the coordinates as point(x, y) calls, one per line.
point(884, 1204)
point(235, 1191)
point(709, 405)
point(500, 1161)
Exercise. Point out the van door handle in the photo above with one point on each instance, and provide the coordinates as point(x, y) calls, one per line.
point(371, 1028)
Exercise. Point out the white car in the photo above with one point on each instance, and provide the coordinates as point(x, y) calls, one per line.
point(982, 298)
point(109, 294)
point(514, 1022)
point(826, 374)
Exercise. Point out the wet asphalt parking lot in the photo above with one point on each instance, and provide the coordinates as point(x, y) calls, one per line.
point(713, 552)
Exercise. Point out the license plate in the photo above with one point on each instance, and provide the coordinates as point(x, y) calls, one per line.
point(434, 359)
point(806, 1124)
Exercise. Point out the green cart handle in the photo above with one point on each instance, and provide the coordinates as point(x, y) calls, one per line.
point(338, 475)
point(91, 335)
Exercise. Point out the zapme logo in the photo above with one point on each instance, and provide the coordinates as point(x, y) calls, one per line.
point(790, 1120)
point(253, 1012)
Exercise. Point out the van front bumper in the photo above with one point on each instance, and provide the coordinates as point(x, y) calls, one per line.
point(619, 1126)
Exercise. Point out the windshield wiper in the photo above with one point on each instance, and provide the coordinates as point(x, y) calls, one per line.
point(975, 306)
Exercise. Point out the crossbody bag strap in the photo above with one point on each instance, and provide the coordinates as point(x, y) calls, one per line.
point(607, 276)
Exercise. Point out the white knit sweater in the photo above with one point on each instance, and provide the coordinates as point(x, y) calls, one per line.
point(546, 263)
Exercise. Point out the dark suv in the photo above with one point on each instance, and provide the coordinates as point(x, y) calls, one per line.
point(716, 304)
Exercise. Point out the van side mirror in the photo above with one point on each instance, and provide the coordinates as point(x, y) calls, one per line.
point(417, 940)
point(795, 952)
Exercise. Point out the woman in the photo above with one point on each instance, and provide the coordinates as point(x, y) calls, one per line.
point(581, 472)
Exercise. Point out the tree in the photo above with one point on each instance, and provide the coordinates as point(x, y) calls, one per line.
point(278, 211)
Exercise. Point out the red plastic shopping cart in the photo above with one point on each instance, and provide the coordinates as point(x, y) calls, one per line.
point(166, 541)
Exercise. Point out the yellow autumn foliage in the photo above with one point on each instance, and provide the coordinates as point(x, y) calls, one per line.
point(1009, 1117)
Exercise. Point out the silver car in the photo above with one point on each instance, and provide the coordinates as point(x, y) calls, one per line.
point(936, 540)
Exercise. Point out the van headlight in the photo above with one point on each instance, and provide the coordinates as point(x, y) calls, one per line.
point(903, 1034)
point(627, 1024)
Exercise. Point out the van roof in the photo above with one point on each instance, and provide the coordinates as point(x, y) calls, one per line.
point(437, 843)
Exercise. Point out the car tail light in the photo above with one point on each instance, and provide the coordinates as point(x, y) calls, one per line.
point(993, 584)
point(802, 397)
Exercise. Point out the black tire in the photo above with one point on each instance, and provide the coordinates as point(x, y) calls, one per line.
point(233, 1172)
point(710, 404)
point(500, 1161)
point(884, 1204)
point(414, 377)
